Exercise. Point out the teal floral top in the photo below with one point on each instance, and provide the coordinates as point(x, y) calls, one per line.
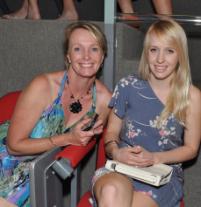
point(14, 174)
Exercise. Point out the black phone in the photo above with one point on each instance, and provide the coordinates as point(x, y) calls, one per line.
point(89, 125)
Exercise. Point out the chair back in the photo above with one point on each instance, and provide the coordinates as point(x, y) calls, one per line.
point(101, 158)
point(7, 105)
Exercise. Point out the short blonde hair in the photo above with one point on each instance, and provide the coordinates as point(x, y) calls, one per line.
point(92, 28)
point(178, 99)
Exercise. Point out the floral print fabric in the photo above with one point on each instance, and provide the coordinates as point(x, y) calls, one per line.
point(137, 105)
point(14, 171)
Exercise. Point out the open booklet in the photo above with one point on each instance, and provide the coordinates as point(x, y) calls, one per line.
point(158, 174)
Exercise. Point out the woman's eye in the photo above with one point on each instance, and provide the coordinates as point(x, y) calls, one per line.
point(76, 49)
point(153, 50)
point(95, 49)
point(170, 51)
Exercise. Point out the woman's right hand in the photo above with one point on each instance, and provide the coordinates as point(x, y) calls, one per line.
point(80, 137)
point(132, 156)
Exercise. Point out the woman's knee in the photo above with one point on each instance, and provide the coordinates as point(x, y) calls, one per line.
point(113, 189)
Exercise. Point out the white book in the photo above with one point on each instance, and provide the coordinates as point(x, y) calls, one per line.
point(158, 174)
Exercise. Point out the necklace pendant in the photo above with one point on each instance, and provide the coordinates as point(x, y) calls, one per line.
point(75, 107)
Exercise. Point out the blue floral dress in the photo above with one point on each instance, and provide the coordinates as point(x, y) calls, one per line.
point(137, 105)
point(14, 171)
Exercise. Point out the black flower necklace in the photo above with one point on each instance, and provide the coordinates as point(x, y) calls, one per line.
point(75, 106)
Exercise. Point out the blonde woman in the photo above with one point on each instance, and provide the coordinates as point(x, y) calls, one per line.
point(155, 118)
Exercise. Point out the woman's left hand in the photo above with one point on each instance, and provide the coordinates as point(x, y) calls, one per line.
point(144, 157)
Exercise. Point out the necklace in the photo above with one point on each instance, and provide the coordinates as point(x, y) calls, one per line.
point(75, 106)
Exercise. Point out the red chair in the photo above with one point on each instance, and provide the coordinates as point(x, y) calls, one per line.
point(7, 105)
point(101, 158)
point(71, 154)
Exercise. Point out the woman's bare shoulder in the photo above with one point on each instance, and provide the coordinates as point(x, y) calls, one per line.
point(195, 94)
point(39, 84)
point(103, 99)
point(43, 85)
point(102, 90)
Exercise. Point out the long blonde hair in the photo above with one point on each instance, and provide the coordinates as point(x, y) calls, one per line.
point(178, 98)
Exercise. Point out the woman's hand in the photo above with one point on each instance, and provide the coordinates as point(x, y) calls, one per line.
point(98, 127)
point(136, 156)
point(80, 137)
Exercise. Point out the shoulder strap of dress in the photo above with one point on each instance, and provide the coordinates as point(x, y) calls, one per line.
point(94, 97)
point(63, 81)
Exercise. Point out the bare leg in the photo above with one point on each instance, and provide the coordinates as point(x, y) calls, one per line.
point(163, 6)
point(69, 10)
point(33, 10)
point(5, 203)
point(19, 14)
point(127, 10)
point(29, 10)
point(142, 200)
point(126, 6)
point(113, 190)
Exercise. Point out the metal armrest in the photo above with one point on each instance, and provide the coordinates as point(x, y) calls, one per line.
point(46, 186)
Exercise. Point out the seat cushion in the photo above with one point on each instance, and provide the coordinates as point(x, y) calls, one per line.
point(85, 200)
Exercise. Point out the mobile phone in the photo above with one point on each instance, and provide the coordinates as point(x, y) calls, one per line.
point(89, 125)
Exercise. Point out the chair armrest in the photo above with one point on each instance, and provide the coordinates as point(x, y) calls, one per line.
point(75, 154)
point(67, 161)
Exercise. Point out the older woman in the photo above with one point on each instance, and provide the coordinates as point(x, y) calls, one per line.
point(55, 107)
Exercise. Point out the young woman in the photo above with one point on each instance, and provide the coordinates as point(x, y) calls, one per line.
point(158, 113)
point(55, 107)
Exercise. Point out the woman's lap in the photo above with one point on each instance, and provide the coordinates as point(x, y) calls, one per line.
point(168, 195)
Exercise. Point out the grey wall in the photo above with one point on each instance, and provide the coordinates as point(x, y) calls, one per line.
point(28, 49)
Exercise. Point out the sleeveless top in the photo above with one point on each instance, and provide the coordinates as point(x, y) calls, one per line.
point(14, 170)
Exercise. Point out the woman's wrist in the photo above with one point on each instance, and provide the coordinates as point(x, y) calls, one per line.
point(110, 147)
point(52, 141)
point(110, 142)
point(58, 140)
point(155, 158)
